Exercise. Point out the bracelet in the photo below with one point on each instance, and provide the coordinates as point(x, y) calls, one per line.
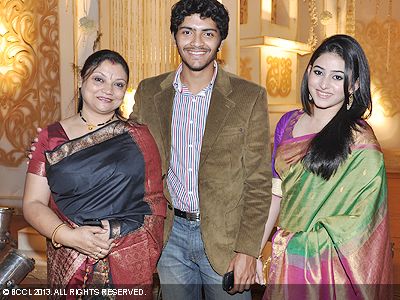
point(53, 235)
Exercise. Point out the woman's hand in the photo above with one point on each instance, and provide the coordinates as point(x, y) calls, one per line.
point(268, 229)
point(93, 241)
point(259, 272)
point(105, 236)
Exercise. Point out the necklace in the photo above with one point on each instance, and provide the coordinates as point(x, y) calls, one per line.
point(92, 126)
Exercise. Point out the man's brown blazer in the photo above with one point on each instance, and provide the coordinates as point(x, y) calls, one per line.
point(235, 170)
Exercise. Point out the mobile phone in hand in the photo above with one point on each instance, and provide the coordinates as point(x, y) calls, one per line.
point(227, 281)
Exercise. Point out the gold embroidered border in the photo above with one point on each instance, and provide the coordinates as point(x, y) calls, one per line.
point(103, 134)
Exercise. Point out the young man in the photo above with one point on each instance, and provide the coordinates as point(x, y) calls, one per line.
point(212, 131)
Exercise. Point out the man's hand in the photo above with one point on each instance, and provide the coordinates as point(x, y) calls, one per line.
point(244, 268)
point(33, 143)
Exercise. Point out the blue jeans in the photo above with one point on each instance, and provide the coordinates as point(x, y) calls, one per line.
point(184, 268)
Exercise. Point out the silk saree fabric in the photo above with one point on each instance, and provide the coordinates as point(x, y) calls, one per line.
point(332, 240)
point(113, 173)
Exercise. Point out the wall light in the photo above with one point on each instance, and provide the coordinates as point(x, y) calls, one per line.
point(377, 118)
point(3, 29)
point(128, 102)
point(282, 44)
point(3, 44)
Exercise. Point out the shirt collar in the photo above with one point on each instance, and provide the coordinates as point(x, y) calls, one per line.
point(178, 85)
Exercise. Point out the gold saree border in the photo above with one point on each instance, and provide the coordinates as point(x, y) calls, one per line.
point(93, 138)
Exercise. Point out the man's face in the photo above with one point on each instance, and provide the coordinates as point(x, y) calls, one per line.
point(198, 41)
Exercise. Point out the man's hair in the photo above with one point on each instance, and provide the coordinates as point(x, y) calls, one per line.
point(205, 8)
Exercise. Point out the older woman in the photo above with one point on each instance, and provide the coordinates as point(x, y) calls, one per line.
point(94, 188)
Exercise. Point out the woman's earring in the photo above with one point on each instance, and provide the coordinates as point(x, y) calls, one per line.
point(350, 103)
point(310, 97)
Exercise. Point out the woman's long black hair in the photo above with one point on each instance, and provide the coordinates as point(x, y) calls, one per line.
point(91, 64)
point(331, 146)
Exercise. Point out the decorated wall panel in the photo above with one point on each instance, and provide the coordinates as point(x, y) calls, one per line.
point(279, 75)
point(377, 28)
point(29, 74)
point(244, 11)
point(250, 64)
point(381, 42)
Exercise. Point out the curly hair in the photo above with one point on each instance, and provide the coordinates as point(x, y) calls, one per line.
point(206, 9)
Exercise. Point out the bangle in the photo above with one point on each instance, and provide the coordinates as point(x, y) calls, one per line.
point(53, 235)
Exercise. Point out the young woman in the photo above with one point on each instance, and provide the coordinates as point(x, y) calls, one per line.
point(94, 188)
point(329, 186)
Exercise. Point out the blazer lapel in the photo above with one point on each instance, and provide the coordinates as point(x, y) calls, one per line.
point(220, 107)
point(163, 101)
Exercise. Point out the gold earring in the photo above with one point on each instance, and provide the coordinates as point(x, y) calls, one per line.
point(350, 103)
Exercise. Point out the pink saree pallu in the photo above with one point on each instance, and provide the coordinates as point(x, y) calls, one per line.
point(333, 239)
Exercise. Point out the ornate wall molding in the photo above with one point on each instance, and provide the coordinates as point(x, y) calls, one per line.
point(245, 68)
point(381, 42)
point(29, 74)
point(350, 17)
point(244, 11)
point(279, 76)
point(312, 35)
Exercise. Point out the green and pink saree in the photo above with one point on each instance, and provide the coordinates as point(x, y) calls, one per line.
point(332, 240)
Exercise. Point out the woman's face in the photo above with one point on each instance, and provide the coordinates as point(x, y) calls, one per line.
point(326, 81)
point(104, 90)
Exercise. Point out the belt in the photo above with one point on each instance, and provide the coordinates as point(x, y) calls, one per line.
point(190, 216)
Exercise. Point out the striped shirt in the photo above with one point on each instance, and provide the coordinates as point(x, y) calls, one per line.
point(187, 129)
